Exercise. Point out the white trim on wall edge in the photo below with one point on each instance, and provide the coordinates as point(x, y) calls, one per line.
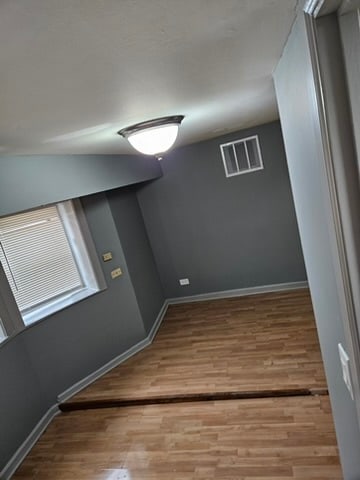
point(239, 292)
point(28, 444)
point(35, 434)
point(84, 382)
point(37, 431)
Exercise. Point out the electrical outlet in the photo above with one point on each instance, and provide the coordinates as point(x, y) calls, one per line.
point(116, 273)
point(184, 281)
point(345, 366)
point(107, 256)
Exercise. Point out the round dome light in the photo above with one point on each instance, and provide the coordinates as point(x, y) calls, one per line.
point(153, 137)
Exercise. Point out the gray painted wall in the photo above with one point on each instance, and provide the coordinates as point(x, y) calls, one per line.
point(223, 233)
point(295, 89)
point(21, 400)
point(346, 174)
point(30, 181)
point(350, 33)
point(77, 340)
point(139, 256)
point(48, 357)
point(67, 346)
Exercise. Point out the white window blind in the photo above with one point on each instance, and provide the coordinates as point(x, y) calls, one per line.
point(37, 258)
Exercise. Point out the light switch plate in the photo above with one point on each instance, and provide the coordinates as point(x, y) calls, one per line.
point(345, 366)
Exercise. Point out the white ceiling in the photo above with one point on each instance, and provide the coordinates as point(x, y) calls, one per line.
point(74, 72)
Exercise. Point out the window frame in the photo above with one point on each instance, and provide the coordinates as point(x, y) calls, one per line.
point(242, 141)
point(87, 261)
point(3, 335)
point(11, 319)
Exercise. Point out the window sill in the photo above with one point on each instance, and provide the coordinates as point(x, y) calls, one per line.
point(50, 308)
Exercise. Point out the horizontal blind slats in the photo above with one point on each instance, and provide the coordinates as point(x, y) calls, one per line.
point(39, 263)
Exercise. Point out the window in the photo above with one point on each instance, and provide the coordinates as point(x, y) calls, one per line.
point(2, 332)
point(241, 156)
point(45, 260)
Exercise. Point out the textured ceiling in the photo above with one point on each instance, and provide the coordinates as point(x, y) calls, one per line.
point(73, 72)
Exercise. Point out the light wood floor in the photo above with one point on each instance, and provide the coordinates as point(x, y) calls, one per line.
point(258, 342)
point(255, 343)
point(270, 439)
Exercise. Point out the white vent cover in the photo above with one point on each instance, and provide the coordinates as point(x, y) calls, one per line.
point(241, 156)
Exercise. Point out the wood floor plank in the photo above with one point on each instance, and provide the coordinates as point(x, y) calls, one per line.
point(259, 439)
point(263, 344)
point(253, 343)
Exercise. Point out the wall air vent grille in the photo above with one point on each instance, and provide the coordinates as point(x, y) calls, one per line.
point(241, 156)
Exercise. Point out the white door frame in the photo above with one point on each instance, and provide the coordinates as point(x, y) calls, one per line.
point(347, 274)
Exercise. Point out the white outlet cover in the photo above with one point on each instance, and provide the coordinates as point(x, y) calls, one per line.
point(184, 281)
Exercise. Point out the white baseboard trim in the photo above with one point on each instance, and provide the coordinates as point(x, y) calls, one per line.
point(30, 441)
point(239, 292)
point(77, 387)
point(86, 381)
point(28, 444)
point(158, 321)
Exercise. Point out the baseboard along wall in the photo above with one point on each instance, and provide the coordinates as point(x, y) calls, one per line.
point(77, 387)
point(238, 292)
point(27, 445)
point(35, 434)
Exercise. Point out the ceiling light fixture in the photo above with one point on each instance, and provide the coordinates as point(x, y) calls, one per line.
point(153, 137)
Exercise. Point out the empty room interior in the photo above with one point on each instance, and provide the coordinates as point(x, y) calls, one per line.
point(179, 240)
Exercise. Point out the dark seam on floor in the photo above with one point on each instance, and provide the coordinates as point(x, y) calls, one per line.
point(191, 397)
